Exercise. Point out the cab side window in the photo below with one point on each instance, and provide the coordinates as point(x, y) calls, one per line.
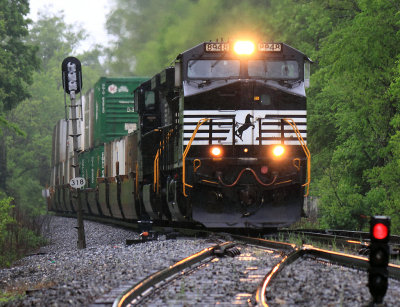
point(150, 101)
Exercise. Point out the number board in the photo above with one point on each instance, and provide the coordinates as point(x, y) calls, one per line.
point(77, 182)
point(216, 47)
point(269, 47)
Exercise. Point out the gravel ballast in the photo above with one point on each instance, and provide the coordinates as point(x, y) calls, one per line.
point(65, 276)
point(61, 275)
point(314, 283)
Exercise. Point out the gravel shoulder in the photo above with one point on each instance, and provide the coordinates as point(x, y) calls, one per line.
point(61, 275)
point(316, 284)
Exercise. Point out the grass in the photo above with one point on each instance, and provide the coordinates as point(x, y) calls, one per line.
point(6, 297)
point(306, 223)
point(18, 292)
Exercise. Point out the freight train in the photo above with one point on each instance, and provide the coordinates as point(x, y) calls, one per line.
point(217, 140)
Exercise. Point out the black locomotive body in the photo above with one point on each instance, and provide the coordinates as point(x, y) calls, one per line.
point(223, 137)
point(220, 142)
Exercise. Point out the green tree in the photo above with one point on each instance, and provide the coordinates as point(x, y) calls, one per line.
point(29, 155)
point(17, 61)
point(350, 129)
point(5, 218)
point(150, 34)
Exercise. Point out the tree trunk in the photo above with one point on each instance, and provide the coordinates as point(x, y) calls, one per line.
point(3, 161)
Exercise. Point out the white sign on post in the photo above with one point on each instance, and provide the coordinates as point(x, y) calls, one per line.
point(77, 182)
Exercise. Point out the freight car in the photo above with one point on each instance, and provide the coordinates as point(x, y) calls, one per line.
point(220, 141)
point(107, 112)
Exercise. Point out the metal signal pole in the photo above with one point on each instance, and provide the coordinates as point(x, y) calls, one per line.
point(72, 83)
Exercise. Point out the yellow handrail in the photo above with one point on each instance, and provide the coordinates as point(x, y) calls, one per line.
point(156, 175)
point(184, 184)
point(305, 149)
point(156, 168)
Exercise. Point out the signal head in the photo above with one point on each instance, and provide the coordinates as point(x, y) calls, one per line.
point(379, 255)
point(72, 75)
point(380, 229)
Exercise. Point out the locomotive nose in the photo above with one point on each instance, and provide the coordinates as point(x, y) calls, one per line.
point(248, 196)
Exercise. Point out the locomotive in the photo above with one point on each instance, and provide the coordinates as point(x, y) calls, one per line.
point(220, 140)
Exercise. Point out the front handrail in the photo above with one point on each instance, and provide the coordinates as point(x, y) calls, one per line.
point(305, 149)
point(156, 164)
point(184, 184)
point(287, 120)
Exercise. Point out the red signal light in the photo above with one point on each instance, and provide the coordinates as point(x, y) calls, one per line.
point(379, 254)
point(380, 231)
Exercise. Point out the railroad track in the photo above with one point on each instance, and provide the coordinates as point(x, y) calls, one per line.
point(226, 279)
point(338, 239)
point(348, 240)
point(284, 255)
point(159, 280)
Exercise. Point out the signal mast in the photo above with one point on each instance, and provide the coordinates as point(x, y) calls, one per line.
point(72, 84)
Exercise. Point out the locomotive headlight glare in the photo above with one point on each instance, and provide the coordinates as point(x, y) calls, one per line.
point(216, 151)
point(278, 150)
point(244, 47)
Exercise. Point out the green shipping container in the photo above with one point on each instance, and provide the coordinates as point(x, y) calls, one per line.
point(91, 164)
point(114, 108)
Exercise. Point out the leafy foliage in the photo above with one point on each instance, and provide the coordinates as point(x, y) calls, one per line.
point(18, 232)
point(5, 218)
point(17, 59)
point(358, 65)
point(29, 144)
point(29, 155)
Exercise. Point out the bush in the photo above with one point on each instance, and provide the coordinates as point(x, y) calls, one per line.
point(19, 232)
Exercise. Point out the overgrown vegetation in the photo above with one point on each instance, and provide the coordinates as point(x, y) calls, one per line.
point(19, 232)
point(26, 133)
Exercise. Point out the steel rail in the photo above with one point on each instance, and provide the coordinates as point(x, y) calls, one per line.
point(334, 257)
point(266, 243)
point(262, 289)
point(137, 290)
point(331, 238)
point(363, 235)
point(355, 240)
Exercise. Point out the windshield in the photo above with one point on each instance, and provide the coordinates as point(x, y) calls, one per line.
point(213, 68)
point(273, 69)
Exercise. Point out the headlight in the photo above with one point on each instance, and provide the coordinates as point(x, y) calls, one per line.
point(244, 47)
point(278, 150)
point(216, 151)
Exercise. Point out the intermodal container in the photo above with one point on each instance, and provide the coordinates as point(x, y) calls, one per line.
point(114, 114)
point(91, 164)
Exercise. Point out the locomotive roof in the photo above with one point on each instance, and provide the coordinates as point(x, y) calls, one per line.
point(262, 48)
